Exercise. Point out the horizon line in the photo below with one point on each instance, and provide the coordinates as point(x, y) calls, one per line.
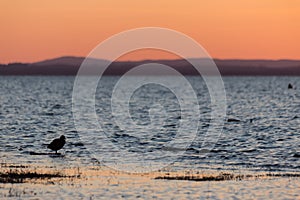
point(146, 59)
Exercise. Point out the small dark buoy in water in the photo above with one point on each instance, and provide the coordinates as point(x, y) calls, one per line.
point(290, 86)
point(57, 144)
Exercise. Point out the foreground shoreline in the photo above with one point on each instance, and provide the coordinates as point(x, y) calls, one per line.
point(27, 181)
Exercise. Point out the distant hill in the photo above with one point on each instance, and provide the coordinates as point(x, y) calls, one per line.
point(67, 60)
point(69, 66)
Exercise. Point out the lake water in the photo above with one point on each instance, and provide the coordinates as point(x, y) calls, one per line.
point(264, 137)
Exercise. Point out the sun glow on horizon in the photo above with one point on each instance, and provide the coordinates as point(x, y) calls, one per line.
point(34, 30)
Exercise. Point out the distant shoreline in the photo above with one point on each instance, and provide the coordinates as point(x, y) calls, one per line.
point(69, 66)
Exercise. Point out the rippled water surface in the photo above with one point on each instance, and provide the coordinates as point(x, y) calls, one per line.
point(264, 135)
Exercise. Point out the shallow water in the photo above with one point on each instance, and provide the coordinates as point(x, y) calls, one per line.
point(34, 110)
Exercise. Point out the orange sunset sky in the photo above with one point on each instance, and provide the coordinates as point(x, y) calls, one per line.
point(33, 30)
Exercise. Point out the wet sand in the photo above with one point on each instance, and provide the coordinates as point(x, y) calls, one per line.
point(99, 182)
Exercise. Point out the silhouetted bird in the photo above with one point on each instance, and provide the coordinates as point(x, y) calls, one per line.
point(290, 86)
point(57, 144)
